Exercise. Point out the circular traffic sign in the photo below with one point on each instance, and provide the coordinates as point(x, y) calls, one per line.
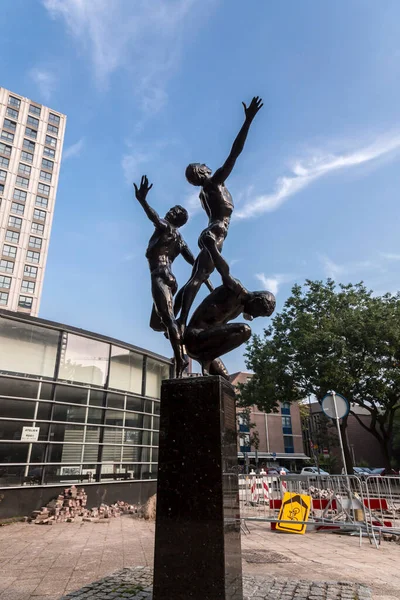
point(335, 406)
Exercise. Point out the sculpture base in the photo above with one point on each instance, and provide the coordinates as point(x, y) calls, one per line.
point(197, 544)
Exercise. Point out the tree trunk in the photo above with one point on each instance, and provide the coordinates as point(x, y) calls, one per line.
point(386, 451)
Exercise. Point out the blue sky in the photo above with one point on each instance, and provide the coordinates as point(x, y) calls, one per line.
point(149, 86)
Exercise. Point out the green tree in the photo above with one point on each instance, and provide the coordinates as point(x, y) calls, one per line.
point(326, 337)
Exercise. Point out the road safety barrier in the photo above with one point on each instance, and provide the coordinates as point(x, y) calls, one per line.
point(368, 506)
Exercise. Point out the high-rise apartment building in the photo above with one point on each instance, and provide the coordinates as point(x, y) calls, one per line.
point(31, 141)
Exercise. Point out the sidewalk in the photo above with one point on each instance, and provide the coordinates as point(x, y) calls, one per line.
point(44, 563)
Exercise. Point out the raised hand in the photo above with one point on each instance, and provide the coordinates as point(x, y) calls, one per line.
point(253, 108)
point(144, 189)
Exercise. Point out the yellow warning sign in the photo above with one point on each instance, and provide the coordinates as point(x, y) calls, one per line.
point(295, 508)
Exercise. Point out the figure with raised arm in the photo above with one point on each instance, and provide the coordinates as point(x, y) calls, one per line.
point(165, 245)
point(217, 202)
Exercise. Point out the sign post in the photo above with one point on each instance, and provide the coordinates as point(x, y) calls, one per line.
point(335, 406)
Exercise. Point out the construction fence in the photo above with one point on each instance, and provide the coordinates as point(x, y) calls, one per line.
point(364, 506)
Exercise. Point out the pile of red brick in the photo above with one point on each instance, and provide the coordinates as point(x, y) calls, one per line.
point(71, 506)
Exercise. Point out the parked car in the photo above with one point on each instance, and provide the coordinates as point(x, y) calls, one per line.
point(313, 471)
point(383, 472)
point(362, 472)
point(271, 470)
point(284, 470)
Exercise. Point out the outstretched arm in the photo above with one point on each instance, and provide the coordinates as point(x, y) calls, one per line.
point(223, 172)
point(222, 267)
point(141, 194)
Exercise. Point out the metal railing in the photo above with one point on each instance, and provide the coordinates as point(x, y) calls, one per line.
point(367, 507)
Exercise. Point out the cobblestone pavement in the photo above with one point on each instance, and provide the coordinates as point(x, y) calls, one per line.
point(135, 584)
point(46, 563)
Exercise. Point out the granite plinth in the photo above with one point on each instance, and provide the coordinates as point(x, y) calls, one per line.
point(197, 541)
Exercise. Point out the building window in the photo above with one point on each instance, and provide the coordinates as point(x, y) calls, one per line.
point(4, 162)
point(30, 271)
point(54, 119)
point(25, 302)
point(52, 129)
point(6, 266)
point(10, 124)
point(288, 443)
point(28, 287)
point(33, 121)
point(287, 425)
point(12, 101)
point(47, 164)
point(50, 141)
point(5, 282)
point(22, 181)
point(49, 152)
point(285, 408)
point(4, 149)
point(32, 133)
point(3, 298)
point(11, 112)
point(29, 145)
point(34, 110)
point(19, 195)
point(40, 201)
point(26, 156)
point(39, 214)
point(15, 222)
point(3, 175)
point(33, 257)
point(7, 136)
point(1, 188)
point(12, 236)
point(43, 188)
point(26, 169)
point(10, 251)
point(44, 175)
point(35, 242)
point(37, 228)
point(286, 421)
point(17, 209)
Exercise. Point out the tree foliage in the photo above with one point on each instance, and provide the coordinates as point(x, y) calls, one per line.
point(326, 337)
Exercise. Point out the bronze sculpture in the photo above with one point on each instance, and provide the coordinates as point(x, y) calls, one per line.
point(217, 202)
point(209, 333)
point(165, 245)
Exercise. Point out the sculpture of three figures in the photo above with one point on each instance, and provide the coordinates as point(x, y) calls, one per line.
point(207, 335)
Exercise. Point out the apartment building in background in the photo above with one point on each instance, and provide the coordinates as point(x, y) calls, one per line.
point(280, 440)
point(31, 141)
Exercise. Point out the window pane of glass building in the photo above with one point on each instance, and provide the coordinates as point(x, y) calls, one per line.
point(155, 373)
point(126, 370)
point(38, 345)
point(84, 360)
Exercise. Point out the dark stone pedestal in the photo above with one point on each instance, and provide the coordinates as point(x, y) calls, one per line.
point(197, 545)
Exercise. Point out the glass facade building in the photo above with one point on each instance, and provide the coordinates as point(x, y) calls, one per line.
point(75, 407)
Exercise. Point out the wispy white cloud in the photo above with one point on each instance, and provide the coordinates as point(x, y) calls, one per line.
point(45, 81)
point(74, 149)
point(390, 256)
point(335, 270)
point(234, 261)
point(132, 163)
point(192, 204)
point(144, 37)
point(305, 172)
point(272, 284)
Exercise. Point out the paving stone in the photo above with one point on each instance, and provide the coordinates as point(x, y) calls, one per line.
point(135, 584)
